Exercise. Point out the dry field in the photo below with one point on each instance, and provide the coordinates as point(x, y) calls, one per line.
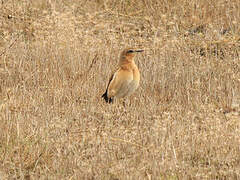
point(55, 60)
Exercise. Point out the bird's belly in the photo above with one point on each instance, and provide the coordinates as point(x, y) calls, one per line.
point(128, 89)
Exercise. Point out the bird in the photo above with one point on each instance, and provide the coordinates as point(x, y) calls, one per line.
point(125, 80)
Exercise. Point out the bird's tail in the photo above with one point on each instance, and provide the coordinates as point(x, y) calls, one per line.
point(106, 98)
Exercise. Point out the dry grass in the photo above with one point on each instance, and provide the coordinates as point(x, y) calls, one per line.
point(183, 121)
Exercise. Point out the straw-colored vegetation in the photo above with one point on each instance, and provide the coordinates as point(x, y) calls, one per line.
point(183, 122)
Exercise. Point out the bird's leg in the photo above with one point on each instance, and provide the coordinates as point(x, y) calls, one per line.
point(124, 103)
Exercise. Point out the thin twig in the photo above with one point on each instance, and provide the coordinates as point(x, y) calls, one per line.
point(90, 67)
point(10, 46)
point(128, 142)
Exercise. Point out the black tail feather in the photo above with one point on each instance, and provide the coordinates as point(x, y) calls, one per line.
point(105, 97)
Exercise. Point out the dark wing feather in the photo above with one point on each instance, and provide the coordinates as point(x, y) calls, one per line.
point(105, 96)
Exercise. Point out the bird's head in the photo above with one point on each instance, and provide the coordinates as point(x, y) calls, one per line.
point(128, 55)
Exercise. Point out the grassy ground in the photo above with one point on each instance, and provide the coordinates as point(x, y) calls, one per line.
point(55, 60)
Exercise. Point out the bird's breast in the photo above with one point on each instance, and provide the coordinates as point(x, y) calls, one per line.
point(136, 74)
point(135, 82)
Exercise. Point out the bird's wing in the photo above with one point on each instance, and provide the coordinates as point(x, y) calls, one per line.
point(105, 95)
point(119, 82)
point(110, 80)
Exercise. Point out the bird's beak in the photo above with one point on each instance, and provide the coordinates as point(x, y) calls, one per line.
point(139, 50)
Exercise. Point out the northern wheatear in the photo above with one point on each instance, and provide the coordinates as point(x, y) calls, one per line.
point(126, 79)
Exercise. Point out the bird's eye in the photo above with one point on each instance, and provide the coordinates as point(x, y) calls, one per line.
point(130, 51)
